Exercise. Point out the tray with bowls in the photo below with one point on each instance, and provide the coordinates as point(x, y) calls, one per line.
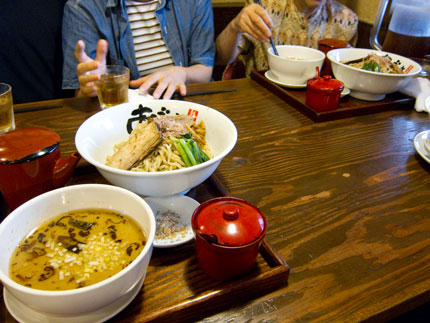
point(348, 106)
point(175, 289)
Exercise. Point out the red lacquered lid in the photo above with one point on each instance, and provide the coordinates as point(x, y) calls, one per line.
point(325, 84)
point(333, 43)
point(27, 144)
point(229, 221)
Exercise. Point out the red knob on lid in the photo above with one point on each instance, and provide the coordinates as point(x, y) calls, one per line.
point(230, 214)
point(325, 84)
point(229, 221)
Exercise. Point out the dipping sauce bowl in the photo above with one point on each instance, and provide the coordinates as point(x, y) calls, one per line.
point(228, 234)
point(323, 94)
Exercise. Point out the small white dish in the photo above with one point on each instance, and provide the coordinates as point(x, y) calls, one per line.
point(271, 77)
point(23, 313)
point(184, 207)
point(422, 144)
point(345, 92)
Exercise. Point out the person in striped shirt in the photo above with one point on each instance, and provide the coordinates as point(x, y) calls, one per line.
point(165, 43)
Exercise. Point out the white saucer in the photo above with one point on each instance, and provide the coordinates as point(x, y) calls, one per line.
point(270, 76)
point(345, 92)
point(23, 313)
point(184, 207)
point(421, 142)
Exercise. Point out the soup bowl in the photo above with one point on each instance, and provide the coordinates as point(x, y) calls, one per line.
point(97, 136)
point(295, 64)
point(370, 85)
point(19, 223)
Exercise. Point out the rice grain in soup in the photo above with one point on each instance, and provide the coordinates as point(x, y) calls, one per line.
point(76, 249)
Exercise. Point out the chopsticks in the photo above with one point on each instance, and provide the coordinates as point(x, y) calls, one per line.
point(275, 51)
point(46, 107)
point(176, 95)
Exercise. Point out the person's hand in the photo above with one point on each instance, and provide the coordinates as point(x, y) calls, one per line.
point(87, 64)
point(255, 21)
point(168, 81)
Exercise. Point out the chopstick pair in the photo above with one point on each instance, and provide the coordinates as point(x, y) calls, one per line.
point(45, 107)
point(177, 95)
point(275, 51)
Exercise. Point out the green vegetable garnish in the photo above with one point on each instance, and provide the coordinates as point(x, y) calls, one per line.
point(372, 66)
point(189, 151)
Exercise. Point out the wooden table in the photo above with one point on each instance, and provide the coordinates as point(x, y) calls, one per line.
point(347, 202)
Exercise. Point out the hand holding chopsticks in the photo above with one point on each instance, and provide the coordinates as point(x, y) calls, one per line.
point(275, 51)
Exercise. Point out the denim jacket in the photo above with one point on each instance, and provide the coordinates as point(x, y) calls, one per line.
point(186, 26)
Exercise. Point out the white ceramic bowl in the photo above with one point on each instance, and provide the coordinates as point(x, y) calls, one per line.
point(368, 85)
point(295, 64)
point(96, 137)
point(43, 207)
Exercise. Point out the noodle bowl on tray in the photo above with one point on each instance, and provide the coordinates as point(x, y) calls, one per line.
point(374, 81)
point(156, 147)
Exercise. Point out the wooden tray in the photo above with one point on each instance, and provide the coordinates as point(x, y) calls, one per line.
point(348, 106)
point(201, 296)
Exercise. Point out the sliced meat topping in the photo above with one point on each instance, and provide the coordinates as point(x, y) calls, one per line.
point(173, 125)
point(142, 141)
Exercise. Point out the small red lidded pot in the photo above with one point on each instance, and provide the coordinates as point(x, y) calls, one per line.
point(323, 93)
point(228, 234)
point(31, 164)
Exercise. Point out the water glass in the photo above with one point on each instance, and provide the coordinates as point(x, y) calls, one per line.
point(112, 87)
point(7, 120)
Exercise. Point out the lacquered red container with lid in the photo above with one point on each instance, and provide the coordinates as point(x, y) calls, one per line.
point(323, 93)
point(228, 234)
point(31, 164)
point(326, 45)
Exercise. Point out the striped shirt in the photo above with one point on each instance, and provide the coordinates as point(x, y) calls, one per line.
point(151, 51)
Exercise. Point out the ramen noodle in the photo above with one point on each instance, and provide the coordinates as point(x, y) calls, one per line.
point(163, 156)
point(76, 249)
point(377, 63)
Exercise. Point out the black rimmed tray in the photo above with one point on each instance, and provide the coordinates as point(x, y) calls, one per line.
point(348, 106)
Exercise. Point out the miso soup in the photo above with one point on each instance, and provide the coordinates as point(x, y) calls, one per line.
point(76, 249)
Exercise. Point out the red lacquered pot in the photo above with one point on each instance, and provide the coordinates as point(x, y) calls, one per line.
point(228, 234)
point(323, 94)
point(326, 45)
point(31, 164)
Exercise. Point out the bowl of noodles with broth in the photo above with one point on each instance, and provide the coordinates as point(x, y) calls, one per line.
point(156, 147)
point(371, 74)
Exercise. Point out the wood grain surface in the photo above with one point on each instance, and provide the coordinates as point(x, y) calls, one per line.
point(347, 203)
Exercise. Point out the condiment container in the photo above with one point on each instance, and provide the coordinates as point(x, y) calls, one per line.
point(326, 45)
point(228, 234)
point(323, 93)
point(31, 164)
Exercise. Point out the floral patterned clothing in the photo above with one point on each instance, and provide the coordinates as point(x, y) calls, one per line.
point(330, 20)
